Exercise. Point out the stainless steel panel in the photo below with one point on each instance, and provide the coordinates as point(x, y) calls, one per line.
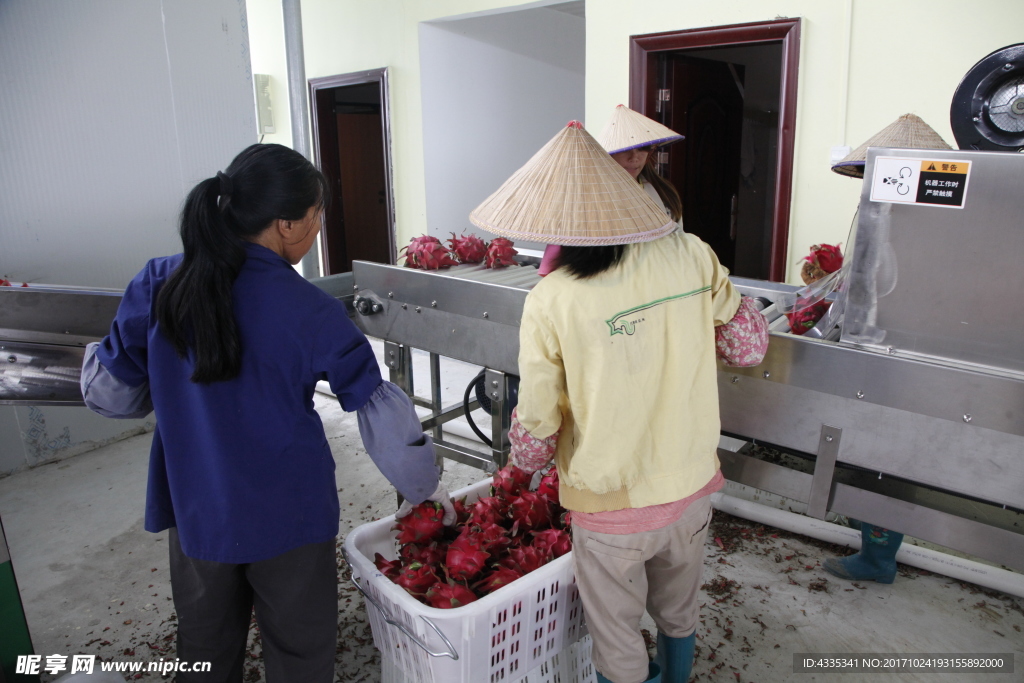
point(474, 340)
point(471, 290)
point(765, 476)
point(984, 540)
point(958, 457)
point(339, 286)
point(958, 272)
point(40, 374)
point(44, 328)
point(991, 400)
point(994, 544)
point(64, 316)
point(756, 288)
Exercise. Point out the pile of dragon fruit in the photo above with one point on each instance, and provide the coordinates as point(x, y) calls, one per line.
point(495, 540)
point(429, 253)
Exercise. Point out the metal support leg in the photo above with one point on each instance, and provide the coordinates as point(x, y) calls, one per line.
point(824, 471)
point(398, 358)
point(435, 403)
point(501, 415)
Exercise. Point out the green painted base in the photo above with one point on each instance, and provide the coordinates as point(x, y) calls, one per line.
point(14, 638)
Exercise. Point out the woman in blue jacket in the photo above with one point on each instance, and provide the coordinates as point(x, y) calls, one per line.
point(226, 343)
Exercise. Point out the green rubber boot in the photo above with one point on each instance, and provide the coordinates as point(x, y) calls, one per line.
point(653, 675)
point(675, 657)
point(876, 560)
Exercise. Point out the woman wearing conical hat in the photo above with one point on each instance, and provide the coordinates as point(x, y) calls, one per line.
point(617, 359)
point(632, 139)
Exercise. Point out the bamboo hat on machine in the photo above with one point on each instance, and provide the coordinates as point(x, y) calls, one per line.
point(572, 193)
point(629, 129)
point(907, 132)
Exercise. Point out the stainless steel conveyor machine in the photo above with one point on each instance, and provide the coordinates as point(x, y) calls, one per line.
point(905, 411)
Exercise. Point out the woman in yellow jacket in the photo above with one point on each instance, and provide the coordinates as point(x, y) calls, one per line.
point(618, 385)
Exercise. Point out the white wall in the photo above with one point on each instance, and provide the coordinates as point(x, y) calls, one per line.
point(112, 110)
point(495, 89)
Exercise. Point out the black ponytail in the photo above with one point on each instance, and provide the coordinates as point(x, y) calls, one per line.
point(194, 307)
point(585, 262)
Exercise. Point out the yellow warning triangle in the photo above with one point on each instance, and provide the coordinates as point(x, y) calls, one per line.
point(932, 167)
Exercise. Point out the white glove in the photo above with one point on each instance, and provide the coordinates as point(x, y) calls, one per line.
point(440, 495)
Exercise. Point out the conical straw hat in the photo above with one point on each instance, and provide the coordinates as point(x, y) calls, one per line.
point(906, 132)
point(573, 194)
point(628, 129)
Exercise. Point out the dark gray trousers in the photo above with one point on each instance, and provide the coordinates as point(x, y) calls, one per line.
point(295, 596)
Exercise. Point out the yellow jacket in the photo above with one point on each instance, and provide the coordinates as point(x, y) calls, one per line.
point(624, 363)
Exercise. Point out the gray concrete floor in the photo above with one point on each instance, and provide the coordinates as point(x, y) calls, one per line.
point(93, 582)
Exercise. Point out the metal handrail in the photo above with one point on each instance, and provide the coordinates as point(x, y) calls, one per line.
point(452, 652)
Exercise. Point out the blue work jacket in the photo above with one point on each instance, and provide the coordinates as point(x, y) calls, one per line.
point(243, 467)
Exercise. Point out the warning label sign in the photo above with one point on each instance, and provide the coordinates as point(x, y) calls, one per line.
point(937, 182)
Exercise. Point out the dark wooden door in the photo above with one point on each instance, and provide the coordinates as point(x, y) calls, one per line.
point(706, 105)
point(363, 189)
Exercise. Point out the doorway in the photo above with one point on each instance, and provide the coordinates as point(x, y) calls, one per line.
point(352, 149)
point(731, 91)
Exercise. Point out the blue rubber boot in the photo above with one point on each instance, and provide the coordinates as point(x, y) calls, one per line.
point(876, 560)
point(675, 657)
point(653, 675)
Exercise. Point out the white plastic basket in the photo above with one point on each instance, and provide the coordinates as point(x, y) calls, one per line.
point(571, 665)
point(507, 636)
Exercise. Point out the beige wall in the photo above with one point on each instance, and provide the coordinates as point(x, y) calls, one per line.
point(863, 63)
point(342, 36)
point(903, 57)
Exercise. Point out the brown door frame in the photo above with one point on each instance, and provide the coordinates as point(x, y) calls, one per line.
point(379, 76)
point(785, 30)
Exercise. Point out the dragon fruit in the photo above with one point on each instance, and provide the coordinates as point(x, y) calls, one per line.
point(493, 538)
point(509, 481)
point(804, 318)
point(422, 525)
point(389, 568)
point(489, 510)
point(432, 554)
point(468, 248)
point(556, 541)
point(823, 259)
point(416, 578)
point(462, 511)
point(466, 556)
point(496, 540)
point(427, 253)
point(501, 576)
point(449, 595)
point(526, 558)
point(531, 510)
point(548, 486)
point(500, 253)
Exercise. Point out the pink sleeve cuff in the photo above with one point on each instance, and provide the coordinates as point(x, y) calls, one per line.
point(743, 341)
point(528, 452)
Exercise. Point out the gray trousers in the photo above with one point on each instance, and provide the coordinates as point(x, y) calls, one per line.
point(295, 596)
point(621, 575)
